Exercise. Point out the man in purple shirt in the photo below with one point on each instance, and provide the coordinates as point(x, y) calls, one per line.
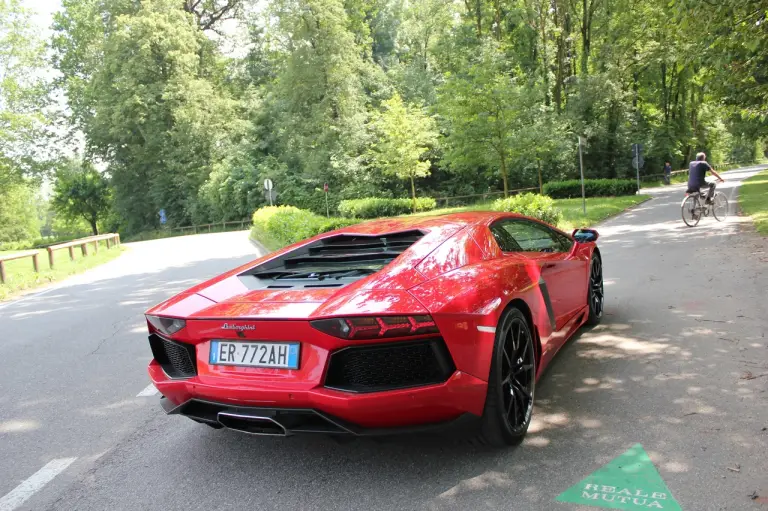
point(697, 170)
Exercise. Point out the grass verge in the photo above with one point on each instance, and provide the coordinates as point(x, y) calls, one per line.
point(20, 275)
point(753, 199)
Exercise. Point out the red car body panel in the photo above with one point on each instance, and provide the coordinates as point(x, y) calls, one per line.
point(456, 273)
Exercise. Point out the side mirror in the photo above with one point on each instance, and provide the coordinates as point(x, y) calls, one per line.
point(585, 235)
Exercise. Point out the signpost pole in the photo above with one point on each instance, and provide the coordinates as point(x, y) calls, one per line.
point(637, 165)
point(581, 166)
point(327, 211)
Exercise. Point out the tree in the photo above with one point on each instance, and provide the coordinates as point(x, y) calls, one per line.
point(18, 214)
point(402, 134)
point(485, 110)
point(24, 149)
point(80, 191)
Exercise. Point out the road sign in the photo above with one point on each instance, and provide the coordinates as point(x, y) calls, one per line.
point(268, 184)
point(629, 482)
point(325, 187)
point(637, 148)
point(271, 196)
point(163, 218)
point(638, 161)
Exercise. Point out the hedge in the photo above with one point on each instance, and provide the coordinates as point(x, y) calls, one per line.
point(373, 207)
point(532, 205)
point(592, 188)
point(278, 226)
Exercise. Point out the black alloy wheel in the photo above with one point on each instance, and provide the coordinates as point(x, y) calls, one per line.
point(511, 384)
point(596, 294)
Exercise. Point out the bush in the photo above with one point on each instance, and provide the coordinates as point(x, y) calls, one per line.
point(278, 226)
point(592, 188)
point(334, 223)
point(532, 205)
point(373, 207)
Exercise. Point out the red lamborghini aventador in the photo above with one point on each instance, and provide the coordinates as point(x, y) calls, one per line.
point(384, 327)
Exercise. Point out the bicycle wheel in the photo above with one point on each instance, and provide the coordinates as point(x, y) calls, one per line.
point(691, 210)
point(720, 206)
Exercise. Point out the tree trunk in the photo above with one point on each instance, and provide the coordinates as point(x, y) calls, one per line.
point(479, 17)
point(497, 18)
point(94, 227)
point(664, 92)
point(413, 194)
point(635, 83)
point(560, 72)
point(544, 57)
point(541, 184)
point(586, 28)
point(504, 173)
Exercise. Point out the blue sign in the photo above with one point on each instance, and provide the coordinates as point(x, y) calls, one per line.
point(163, 219)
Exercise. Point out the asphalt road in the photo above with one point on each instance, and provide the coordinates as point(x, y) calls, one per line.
point(679, 365)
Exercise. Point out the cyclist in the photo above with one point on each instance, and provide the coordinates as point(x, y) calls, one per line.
point(697, 170)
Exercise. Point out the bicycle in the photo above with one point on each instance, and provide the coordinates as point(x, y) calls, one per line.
point(694, 206)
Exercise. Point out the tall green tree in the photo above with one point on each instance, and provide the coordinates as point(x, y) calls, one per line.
point(159, 119)
point(485, 110)
point(402, 135)
point(24, 136)
point(81, 192)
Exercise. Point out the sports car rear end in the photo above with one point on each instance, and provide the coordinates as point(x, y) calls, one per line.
point(328, 337)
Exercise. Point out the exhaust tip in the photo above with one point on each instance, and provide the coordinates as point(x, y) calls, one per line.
point(251, 424)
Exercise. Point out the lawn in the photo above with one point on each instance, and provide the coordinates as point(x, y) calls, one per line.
point(20, 274)
point(598, 209)
point(753, 198)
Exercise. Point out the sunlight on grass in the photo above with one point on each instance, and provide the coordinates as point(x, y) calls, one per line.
point(753, 198)
point(598, 209)
point(20, 274)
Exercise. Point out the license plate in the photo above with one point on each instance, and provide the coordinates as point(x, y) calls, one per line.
point(281, 355)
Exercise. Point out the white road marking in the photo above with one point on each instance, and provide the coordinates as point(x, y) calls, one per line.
point(151, 390)
point(488, 329)
point(26, 489)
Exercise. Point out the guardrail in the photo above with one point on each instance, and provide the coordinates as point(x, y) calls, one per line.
point(19, 255)
point(111, 239)
point(195, 229)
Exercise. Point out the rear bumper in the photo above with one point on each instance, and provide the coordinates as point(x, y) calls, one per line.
point(405, 408)
point(290, 421)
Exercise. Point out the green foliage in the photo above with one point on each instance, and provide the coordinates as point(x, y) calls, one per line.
point(592, 188)
point(753, 198)
point(403, 133)
point(532, 205)
point(18, 215)
point(455, 98)
point(374, 207)
point(83, 192)
point(277, 226)
point(25, 149)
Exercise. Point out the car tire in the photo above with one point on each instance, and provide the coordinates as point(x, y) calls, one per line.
point(596, 291)
point(497, 428)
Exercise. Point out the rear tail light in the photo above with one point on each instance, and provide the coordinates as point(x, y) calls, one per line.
point(376, 326)
point(166, 326)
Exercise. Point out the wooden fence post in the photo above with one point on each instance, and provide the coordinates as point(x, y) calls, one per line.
point(35, 263)
point(96, 247)
point(72, 253)
point(2, 272)
point(50, 258)
point(84, 249)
